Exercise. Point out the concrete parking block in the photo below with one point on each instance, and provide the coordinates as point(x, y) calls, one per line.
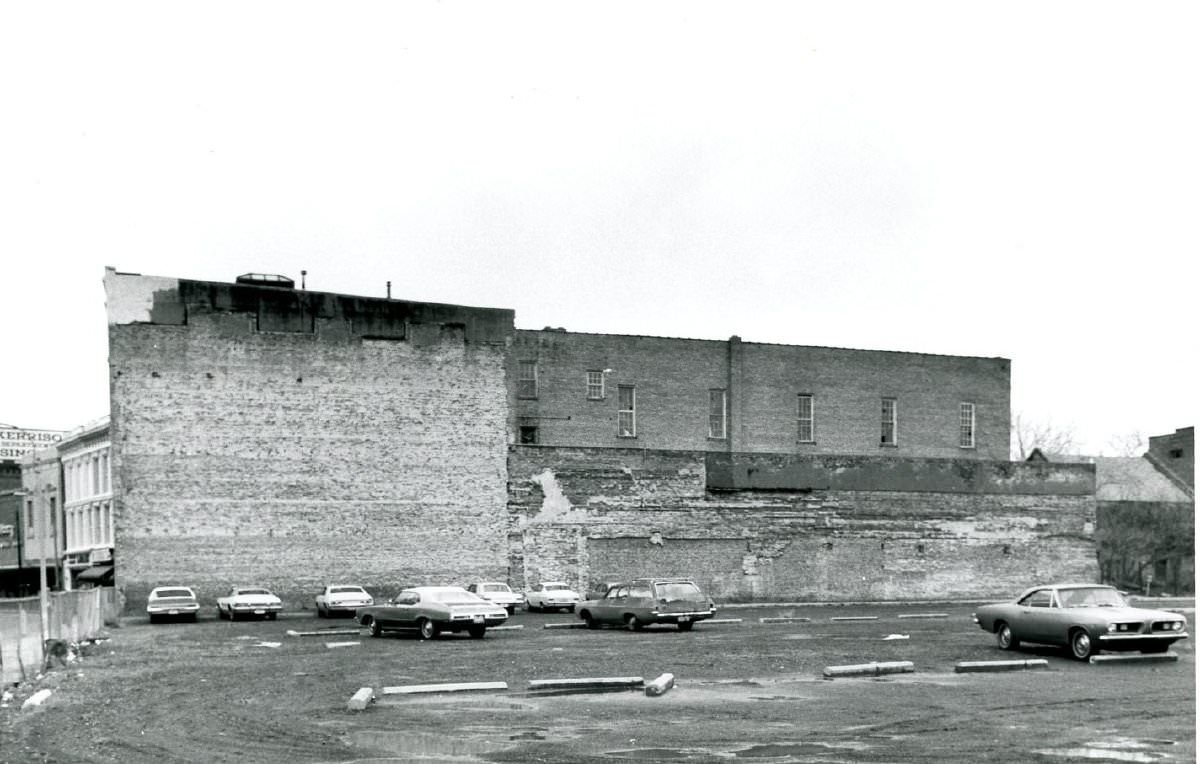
point(719, 621)
point(506, 628)
point(361, 699)
point(1135, 658)
point(36, 699)
point(580, 625)
point(323, 632)
point(587, 684)
point(972, 667)
point(923, 615)
point(269, 644)
point(426, 689)
point(784, 619)
point(660, 685)
point(870, 669)
point(342, 644)
point(855, 618)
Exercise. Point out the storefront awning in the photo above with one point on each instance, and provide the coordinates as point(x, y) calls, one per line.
point(99, 574)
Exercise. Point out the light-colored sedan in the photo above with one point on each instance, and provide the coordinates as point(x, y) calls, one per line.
point(1086, 618)
point(552, 595)
point(431, 610)
point(248, 601)
point(172, 602)
point(498, 593)
point(342, 599)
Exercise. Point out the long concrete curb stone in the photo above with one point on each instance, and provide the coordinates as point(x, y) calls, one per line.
point(869, 669)
point(660, 686)
point(586, 684)
point(718, 621)
point(507, 628)
point(323, 632)
point(361, 699)
point(923, 615)
point(580, 625)
point(855, 618)
point(427, 689)
point(784, 619)
point(969, 667)
point(1135, 658)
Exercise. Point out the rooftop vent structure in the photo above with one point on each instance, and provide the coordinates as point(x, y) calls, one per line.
point(266, 279)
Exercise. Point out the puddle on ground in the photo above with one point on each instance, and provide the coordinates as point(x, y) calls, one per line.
point(1117, 749)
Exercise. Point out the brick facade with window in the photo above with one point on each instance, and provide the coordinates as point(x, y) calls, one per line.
point(744, 396)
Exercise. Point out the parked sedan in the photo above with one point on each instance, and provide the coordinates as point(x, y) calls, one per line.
point(342, 599)
point(430, 610)
point(248, 601)
point(172, 602)
point(648, 601)
point(551, 595)
point(1086, 618)
point(498, 593)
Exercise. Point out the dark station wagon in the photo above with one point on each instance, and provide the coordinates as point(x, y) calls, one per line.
point(648, 601)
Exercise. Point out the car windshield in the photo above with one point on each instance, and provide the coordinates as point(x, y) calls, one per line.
point(678, 591)
point(252, 591)
point(346, 590)
point(173, 593)
point(493, 588)
point(1100, 596)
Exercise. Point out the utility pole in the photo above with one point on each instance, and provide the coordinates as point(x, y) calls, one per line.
point(43, 537)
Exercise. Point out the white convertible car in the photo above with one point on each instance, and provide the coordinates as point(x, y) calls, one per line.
point(248, 601)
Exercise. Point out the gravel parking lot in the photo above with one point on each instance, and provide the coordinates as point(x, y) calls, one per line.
point(247, 691)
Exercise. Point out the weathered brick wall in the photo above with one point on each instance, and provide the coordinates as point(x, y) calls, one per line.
point(590, 514)
point(673, 376)
point(294, 458)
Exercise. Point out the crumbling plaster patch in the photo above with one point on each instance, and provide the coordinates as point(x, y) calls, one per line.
point(130, 297)
point(556, 507)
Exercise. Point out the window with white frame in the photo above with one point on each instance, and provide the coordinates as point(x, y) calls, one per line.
point(717, 412)
point(887, 433)
point(626, 411)
point(527, 380)
point(805, 430)
point(595, 385)
point(966, 425)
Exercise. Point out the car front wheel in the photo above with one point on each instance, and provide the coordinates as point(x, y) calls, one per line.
point(477, 632)
point(592, 623)
point(632, 623)
point(686, 625)
point(1082, 646)
point(427, 628)
point(376, 629)
point(1004, 638)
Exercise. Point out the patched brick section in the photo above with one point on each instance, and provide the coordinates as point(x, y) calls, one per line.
point(649, 513)
point(672, 377)
point(295, 459)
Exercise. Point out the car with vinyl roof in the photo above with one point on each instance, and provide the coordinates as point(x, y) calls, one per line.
point(642, 602)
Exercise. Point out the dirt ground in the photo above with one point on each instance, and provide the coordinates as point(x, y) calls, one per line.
point(224, 692)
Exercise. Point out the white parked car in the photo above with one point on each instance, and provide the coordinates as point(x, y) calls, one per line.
point(172, 602)
point(248, 601)
point(498, 594)
point(342, 599)
point(552, 595)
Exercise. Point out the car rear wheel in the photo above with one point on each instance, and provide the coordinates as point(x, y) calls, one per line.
point(376, 629)
point(427, 628)
point(1082, 646)
point(322, 612)
point(1004, 637)
point(632, 623)
point(592, 623)
point(532, 608)
point(272, 616)
point(477, 632)
point(686, 625)
point(153, 618)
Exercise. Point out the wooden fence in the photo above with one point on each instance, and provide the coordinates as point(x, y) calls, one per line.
point(73, 617)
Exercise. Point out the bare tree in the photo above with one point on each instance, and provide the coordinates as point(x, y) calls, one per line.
point(1050, 438)
point(1128, 444)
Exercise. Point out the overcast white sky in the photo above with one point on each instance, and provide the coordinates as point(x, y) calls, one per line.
point(989, 179)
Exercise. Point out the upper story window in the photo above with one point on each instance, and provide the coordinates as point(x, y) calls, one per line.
point(805, 424)
point(887, 432)
point(966, 425)
point(717, 413)
point(528, 434)
point(595, 385)
point(527, 379)
point(626, 411)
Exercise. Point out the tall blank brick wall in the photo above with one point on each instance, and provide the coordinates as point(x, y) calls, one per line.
point(296, 459)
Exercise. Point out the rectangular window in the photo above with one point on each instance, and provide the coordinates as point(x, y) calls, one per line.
point(887, 434)
point(527, 381)
point(595, 385)
point(717, 410)
point(529, 435)
point(966, 425)
point(805, 431)
point(626, 411)
point(29, 516)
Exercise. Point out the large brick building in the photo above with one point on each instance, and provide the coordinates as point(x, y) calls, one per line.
point(266, 434)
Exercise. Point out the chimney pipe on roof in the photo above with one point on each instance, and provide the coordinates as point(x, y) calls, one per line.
point(302, 275)
point(389, 288)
